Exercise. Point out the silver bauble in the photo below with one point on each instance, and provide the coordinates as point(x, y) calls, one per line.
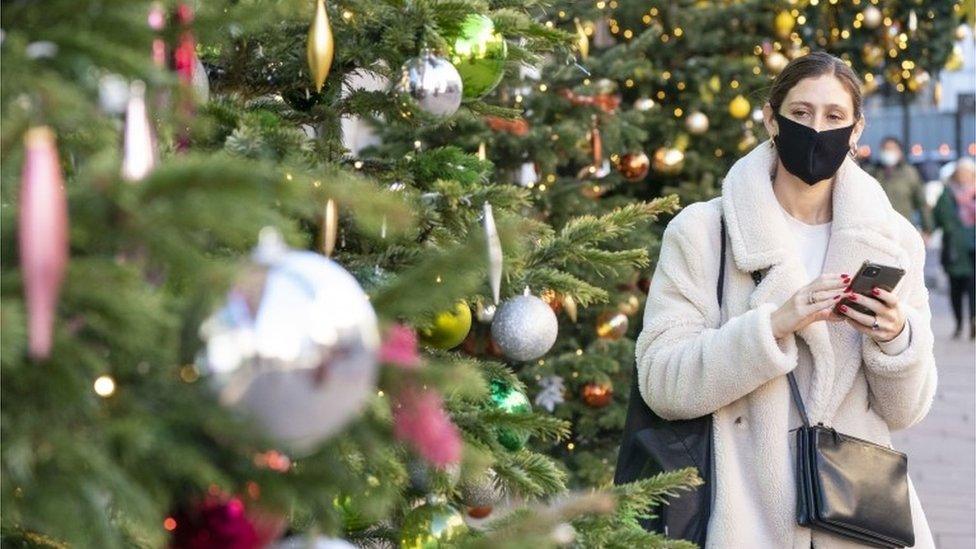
point(483, 491)
point(872, 17)
point(432, 83)
point(294, 346)
point(524, 327)
point(303, 542)
point(697, 122)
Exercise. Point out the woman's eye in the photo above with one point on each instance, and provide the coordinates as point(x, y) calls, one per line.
point(799, 113)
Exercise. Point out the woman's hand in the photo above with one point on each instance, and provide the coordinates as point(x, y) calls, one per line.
point(811, 303)
point(888, 315)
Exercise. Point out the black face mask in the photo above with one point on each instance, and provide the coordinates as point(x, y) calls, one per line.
point(808, 154)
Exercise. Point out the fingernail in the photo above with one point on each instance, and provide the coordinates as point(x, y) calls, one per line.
point(836, 297)
point(875, 291)
point(845, 276)
point(853, 297)
point(847, 289)
point(843, 308)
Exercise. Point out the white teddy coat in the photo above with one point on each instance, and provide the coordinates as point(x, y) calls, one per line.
point(689, 366)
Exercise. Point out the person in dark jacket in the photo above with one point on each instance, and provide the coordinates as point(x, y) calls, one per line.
point(902, 183)
point(955, 214)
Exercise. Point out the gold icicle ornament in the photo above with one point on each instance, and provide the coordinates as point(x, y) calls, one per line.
point(321, 48)
point(582, 41)
point(330, 226)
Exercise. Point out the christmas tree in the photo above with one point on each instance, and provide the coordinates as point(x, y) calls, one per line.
point(170, 378)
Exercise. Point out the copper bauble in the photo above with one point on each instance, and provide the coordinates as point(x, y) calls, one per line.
point(611, 325)
point(634, 166)
point(597, 395)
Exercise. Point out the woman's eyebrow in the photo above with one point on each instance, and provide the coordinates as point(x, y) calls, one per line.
point(811, 105)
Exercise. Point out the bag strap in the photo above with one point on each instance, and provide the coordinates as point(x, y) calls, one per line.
point(757, 278)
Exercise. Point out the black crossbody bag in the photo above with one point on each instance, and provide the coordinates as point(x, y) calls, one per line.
point(845, 485)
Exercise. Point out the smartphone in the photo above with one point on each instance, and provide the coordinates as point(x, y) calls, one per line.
point(871, 275)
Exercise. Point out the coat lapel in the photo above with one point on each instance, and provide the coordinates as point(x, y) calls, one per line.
point(761, 239)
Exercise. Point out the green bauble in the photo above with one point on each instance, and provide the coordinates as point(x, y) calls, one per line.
point(509, 399)
point(428, 525)
point(478, 53)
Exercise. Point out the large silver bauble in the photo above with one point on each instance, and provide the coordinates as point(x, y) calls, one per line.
point(303, 542)
point(432, 83)
point(524, 327)
point(294, 346)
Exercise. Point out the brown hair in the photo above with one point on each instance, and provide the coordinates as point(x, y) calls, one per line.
point(814, 65)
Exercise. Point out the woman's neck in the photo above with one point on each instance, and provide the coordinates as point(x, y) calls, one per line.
point(811, 204)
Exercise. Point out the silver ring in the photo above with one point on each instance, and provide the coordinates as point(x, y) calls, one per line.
point(875, 325)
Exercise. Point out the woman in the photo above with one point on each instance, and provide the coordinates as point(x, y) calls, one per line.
point(955, 213)
point(800, 210)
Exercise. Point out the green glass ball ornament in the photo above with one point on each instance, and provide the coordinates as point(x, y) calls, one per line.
point(510, 400)
point(430, 524)
point(478, 53)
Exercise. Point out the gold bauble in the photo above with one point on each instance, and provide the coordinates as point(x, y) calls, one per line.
point(739, 107)
point(715, 83)
point(784, 24)
point(872, 54)
point(668, 160)
point(630, 305)
point(747, 142)
point(954, 62)
point(448, 329)
point(321, 48)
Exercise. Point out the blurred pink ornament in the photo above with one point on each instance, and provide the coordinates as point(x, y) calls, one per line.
point(43, 236)
point(419, 419)
point(138, 146)
point(400, 347)
point(222, 522)
point(157, 16)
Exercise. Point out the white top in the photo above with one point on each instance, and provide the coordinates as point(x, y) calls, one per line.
point(811, 243)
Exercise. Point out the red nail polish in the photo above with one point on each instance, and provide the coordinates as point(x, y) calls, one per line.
point(875, 291)
point(836, 297)
point(853, 297)
point(843, 308)
point(845, 276)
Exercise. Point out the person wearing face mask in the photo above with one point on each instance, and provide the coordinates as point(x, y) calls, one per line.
point(801, 214)
point(955, 214)
point(902, 184)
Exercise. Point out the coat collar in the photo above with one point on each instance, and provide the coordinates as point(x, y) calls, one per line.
point(862, 228)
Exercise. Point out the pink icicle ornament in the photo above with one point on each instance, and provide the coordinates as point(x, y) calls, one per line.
point(43, 237)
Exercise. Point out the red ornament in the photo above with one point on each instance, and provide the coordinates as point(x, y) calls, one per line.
point(634, 166)
point(42, 237)
point(480, 512)
point(596, 395)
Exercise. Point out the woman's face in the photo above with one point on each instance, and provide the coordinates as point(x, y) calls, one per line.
point(821, 103)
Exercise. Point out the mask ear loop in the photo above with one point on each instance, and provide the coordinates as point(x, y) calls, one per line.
point(853, 151)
